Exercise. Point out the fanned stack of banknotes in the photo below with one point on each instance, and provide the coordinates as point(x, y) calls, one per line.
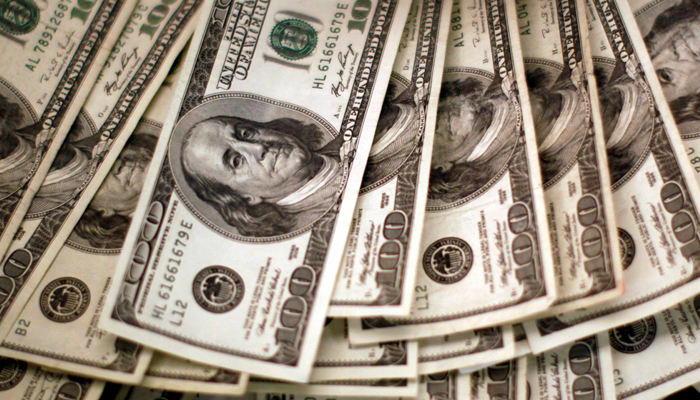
point(315, 200)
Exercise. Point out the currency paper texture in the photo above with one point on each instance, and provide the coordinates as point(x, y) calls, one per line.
point(580, 369)
point(657, 355)
point(68, 294)
point(20, 380)
point(237, 239)
point(578, 195)
point(654, 191)
point(468, 350)
point(378, 271)
point(52, 59)
point(171, 373)
point(337, 359)
point(485, 249)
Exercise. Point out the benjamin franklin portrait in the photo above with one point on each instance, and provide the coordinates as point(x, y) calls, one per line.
point(105, 222)
point(265, 178)
point(673, 40)
point(559, 113)
point(69, 169)
point(17, 146)
point(627, 121)
point(397, 132)
point(474, 137)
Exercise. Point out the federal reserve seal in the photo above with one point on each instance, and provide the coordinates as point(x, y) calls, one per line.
point(64, 299)
point(627, 248)
point(11, 373)
point(293, 39)
point(218, 289)
point(18, 17)
point(634, 337)
point(448, 260)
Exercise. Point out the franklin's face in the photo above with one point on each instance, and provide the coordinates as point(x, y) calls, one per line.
point(458, 130)
point(120, 191)
point(676, 58)
point(257, 163)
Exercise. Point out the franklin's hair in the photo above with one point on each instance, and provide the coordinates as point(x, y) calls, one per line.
point(620, 158)
point(542, 89)
point(108, 232)
point(260, 220)
point(686, 108)
point(453, 184)
point(10, 120)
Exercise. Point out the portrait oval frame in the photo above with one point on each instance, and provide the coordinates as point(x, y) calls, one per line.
point(252, 107)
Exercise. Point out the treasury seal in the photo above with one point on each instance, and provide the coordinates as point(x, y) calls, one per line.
point(627, 248)
point(293, 39)
point(11, 373)
point(218, 289)
point(448, 260)
point(634, 337)
point(64, 299)
point(18, 17)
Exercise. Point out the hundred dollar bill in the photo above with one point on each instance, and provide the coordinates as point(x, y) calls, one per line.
point(292, 396)
point(171, 373)
point(466, 350)
point(53, 55)
point(337, 359)
point(671, 31)
point(580, 369)
point(262, 157)
point(522, 347)
point(19, 380)
point(378, 271)
point(67, 296)
point(138, 63)
point(654, 192)
point(655, 356)
point(113, 391)
point(485, 251)
point(571, 145)
point(504, 381)
point(343, 388)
